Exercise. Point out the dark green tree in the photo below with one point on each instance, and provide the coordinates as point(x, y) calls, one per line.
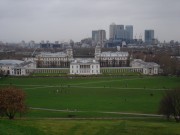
point(170, 104)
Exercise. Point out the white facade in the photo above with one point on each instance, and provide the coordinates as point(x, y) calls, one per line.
point(16, 67)
point(84, 67)
point(63, 62)
point(7, 65)
point(110, 55)
point(21, 69)
point(149, 68)
point(111, 59)
point(54, 60)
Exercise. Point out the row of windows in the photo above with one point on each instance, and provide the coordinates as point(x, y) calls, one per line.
point(54, 62)
point(121, 70)
point(112, 58)
point(151, 71)
point(62, 58)
point(85, 71)
point(85, 66)
point(4, 67)
point(110, 62)
point(47, 71)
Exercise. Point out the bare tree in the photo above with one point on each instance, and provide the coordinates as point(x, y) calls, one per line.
point(39, 63)
point(170, 104)
point(12, 101)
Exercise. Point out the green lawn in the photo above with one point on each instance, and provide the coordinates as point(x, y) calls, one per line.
point(122, 94)
point(89, 127)
point(91, 97)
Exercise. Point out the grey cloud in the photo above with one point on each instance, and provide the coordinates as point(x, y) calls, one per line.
point(78, 17)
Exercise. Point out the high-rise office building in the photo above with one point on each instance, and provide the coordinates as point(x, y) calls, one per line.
point(99, 37)
point(149, 36)
point(112, 31)
point(95, 36)
point(129, 32)
point(120, 33)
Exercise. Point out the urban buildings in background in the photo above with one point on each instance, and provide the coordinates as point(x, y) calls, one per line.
point(99, 37)
point(119, 32)
point(119, 35)
point(129, 31)
point(149, 36)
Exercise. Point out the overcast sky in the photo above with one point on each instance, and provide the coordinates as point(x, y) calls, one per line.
point(62, 20)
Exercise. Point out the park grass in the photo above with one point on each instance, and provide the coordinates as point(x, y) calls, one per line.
point(89, 98)
point(111, 73)
point(39, 113)
point(90, 94)
point(48, 74)
point(88, 127)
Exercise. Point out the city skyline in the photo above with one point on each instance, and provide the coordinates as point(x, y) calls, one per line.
point(62, 20)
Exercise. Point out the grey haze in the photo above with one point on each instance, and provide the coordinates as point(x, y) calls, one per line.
point(61, 20)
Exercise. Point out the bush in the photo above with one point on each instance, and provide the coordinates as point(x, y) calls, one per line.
point(170, 104)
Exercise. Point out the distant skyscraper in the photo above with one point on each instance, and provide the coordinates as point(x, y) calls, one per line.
point(99, 37)
point(95, 36)
point(112, 31)
point(129, 32)
point(120, 33)
point(149, 36)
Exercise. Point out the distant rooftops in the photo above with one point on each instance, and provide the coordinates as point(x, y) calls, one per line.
point(10, 62)
point(114, 54)
point(23, 64)
point(48, 54)
point(141, 63)
point(84, 61)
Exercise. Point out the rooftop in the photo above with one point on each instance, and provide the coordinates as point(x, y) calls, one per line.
point(114, 54)
point(24, 64)
point(48, 54)
point(84, 61)
point(10, 62)
point(145, 64)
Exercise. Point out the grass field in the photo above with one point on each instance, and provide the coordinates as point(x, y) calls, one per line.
point(122, 94)
point(89, 127)
point(91, 97)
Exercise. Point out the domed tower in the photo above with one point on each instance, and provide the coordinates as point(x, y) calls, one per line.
point(69, 52)
point(97, 52)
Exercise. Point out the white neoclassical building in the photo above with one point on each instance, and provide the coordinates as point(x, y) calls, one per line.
point(111, 59)
point(54, 60)
point(21, 69)
point(84, 66)
point(64, 63)
point(149, 68)
point(16, 67)
point(7, 65)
